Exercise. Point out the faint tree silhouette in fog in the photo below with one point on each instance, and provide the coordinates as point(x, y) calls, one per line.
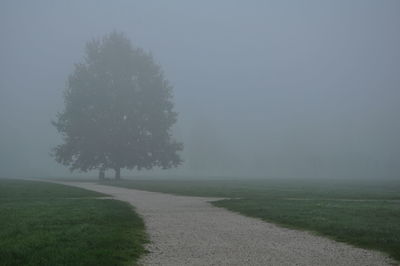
point(118, 111)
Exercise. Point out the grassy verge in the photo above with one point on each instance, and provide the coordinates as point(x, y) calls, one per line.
point(50, 224)
point(365, 213)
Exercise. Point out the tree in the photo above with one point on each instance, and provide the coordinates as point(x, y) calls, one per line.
point(118, 111)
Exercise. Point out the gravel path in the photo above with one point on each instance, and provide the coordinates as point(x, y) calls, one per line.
point(190, 231)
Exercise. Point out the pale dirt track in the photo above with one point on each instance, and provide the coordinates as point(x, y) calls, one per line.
point(190, 231)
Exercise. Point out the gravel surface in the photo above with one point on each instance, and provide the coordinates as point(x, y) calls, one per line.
point(190, 231)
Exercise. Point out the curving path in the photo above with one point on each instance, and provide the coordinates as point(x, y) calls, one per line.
point(190, 231)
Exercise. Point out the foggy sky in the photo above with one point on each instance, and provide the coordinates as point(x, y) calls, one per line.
point(263, 88)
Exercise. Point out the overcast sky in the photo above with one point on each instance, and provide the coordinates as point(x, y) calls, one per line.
point(263, 88)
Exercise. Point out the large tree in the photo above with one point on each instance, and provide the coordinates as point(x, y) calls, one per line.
point(118, 111)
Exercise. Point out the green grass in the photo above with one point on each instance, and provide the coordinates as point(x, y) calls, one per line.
point(365, 213)
point(50, 224)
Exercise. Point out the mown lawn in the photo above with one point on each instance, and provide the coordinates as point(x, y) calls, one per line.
point(365, 213)
point(49, 224)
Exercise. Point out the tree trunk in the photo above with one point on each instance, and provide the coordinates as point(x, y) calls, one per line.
point(102, 175)
point(117, 173)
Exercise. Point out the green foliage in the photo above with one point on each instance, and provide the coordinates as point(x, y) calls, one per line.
point(118, 111)
point(369, 224)
point(50, 224)
point(11, 189)
point(365, 213)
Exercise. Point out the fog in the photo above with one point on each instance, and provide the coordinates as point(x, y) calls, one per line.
point(263, 88)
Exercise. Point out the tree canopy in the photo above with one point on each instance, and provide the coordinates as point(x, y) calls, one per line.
point(118, 111)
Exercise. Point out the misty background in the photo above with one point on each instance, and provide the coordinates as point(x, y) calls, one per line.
point(263, 88)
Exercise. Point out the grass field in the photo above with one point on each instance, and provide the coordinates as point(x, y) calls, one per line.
point(50, 224)
point(365, 213)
